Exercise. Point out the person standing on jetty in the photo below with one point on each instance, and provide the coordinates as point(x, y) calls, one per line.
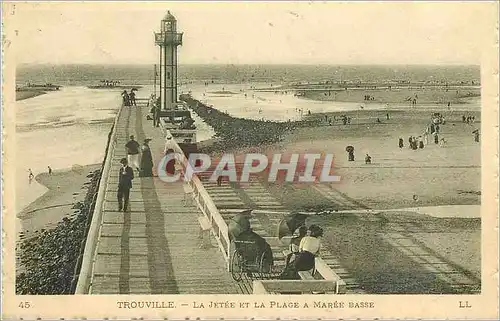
point(146, 160)
point(126, 100)
point(131, 97)
point(125, 178)
point(133, 153)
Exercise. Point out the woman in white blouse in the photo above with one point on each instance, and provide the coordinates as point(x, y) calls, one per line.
point(308, 249)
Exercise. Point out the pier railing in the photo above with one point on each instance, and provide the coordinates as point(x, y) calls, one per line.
point(87, 262)
point(203, 200)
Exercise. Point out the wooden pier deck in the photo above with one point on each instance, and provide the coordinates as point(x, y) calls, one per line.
point(154, 247)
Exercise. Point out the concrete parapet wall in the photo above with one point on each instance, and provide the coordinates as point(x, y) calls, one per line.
point(84, 278)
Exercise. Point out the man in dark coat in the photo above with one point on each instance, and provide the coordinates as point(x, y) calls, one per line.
point(126, 175)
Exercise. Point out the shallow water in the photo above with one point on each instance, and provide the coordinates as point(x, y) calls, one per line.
point(278, 107)
point(59, 130)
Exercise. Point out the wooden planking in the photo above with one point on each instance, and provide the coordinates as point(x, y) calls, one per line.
point(155, 246)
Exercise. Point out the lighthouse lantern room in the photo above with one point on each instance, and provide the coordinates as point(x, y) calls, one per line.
point(168, 39)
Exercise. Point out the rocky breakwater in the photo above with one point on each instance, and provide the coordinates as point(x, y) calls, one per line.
point(233, 133)
point(50, 259)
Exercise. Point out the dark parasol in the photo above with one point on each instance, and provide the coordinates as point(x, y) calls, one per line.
point(349, 149)
point(290, 223)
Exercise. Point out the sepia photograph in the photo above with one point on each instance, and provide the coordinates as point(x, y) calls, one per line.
point(325, 150)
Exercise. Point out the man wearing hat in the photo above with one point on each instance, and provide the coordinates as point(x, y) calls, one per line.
point(126, 175)
point(132, 147)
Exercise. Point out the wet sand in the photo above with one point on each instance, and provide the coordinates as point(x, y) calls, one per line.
point(65, 188)
point(393, 251)
point(25, 94)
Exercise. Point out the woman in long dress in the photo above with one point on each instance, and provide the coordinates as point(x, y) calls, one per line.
point(146, 160)
point(170, 166)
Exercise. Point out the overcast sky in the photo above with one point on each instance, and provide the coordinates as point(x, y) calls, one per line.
point(253, 33)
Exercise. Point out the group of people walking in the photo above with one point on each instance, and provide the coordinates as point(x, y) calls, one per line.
point(129, 98)
point(138, 158)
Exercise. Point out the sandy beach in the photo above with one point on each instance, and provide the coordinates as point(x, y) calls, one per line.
point(65, 188)
point(373, 248)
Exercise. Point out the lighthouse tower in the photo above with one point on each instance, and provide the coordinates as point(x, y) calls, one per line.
point(168, 39)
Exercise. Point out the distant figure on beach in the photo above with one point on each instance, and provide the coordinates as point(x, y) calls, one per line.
point(146, 160)
point(132, 147)
point(50, 170)
point(351, 156)
point(368, 159)
point(420, 142)
point(219, 178)
point(414, 143)
point(125, 178)
point(442, 142)
point(30, 176)
point(378, 120)
point(401, 143)
point(463, 118)
point(436, 138)
point(387, 115)
point(476, 135)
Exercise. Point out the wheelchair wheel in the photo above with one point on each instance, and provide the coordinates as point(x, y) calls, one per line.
point(264, 266)
point(236, 266)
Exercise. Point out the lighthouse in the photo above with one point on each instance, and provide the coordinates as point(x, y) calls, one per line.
point(168, 39)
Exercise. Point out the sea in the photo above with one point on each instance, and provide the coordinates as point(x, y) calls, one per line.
point(69, 127)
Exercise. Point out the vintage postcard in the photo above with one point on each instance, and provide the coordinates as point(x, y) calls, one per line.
point(239, 160)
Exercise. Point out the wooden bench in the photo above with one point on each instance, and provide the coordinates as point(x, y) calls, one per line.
point(188, 193)
point(324, 270)
point(205, 228)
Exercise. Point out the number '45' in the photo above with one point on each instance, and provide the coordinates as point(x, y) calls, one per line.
point(24, 305)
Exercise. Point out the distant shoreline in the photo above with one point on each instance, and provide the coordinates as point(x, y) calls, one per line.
point(26, 94)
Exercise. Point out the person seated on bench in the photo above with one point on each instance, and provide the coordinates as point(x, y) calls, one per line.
point(295, 244)
point(305, 259)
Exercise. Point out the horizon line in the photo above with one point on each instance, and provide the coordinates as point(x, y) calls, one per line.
point(249, 64)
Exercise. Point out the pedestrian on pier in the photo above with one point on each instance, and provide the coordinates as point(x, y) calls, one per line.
point(131, 98)
point(50, 170)
point(126, 98)
point(133, 147)
point(146, 160)
point(125, 178)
